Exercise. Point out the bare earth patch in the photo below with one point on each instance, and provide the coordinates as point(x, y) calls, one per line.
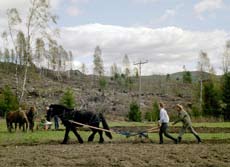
point(116, 154)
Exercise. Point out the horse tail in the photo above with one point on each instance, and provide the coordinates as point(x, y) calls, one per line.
point(9, 121)
point(105, 125)
point(26, 121)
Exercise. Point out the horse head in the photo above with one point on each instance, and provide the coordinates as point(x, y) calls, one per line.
point(54, 109)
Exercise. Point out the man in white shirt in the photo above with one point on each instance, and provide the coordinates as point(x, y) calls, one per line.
point(163, 123)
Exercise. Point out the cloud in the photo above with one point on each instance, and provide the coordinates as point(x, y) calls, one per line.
point(167, 49)
point(207, 6)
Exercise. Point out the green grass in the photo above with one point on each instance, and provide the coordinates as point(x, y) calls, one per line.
point(154, 124)
point(52, 136)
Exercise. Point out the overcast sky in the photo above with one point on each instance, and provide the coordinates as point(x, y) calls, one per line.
point(167, 33)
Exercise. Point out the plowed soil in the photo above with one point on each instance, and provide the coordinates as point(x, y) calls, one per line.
point(119, 154)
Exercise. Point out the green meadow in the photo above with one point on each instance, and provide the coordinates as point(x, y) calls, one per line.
point(55, 137)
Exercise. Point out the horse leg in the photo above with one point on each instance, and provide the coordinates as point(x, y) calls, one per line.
point(10, 126)
point(91, 137)
point(101, 136)
point(21, 126)
point(67, 129)
point(15, 126)
point(77, 134)
point(24, 127)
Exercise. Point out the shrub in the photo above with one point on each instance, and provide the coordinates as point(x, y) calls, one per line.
point(195, 111)
point(148, 116)
point(8, 101)
point(226, 96)
point(134, 112)
point(68, 99)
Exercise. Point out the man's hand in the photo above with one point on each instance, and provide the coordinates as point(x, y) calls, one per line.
point(159, 124)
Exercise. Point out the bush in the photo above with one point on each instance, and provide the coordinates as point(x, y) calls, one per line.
point(134, 112)
point(148, 116)
point(211, 106)
point(195, 111)
point(8, 101)
point(154, 114)
point(68, 99)
point(102, 83)
point(226, 96)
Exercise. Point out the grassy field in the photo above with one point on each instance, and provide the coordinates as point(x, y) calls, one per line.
point(154, 124)
point(52, 136)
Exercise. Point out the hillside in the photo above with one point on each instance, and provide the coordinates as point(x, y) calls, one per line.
point(45, 87)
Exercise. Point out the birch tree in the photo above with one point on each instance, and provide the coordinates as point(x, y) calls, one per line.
point(20, 48)
point(226, 58)
point(36, 23)
point(203, 66)
point(126, 64)
point(98, 62)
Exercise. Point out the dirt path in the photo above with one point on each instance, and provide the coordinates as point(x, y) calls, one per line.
point(116, 155)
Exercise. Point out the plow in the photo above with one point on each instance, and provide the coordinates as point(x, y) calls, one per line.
point(127, 134)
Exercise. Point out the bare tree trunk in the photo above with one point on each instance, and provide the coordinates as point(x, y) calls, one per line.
point(16, 68)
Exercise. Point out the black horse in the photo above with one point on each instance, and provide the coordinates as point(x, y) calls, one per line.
point(84, 117)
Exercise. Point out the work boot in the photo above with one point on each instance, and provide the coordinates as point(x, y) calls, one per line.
point(198, 139)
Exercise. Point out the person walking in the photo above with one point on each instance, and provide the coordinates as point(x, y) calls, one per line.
point(184, 117)
point(163, 124)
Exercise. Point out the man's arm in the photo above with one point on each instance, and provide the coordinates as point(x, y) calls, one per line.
point(176, 121)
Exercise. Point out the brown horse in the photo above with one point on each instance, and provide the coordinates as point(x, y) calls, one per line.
point(31, 116)
point(17, 117)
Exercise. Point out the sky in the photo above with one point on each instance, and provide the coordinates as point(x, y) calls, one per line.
point(167, 33)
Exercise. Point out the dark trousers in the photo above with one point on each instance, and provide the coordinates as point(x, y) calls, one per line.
point(164, 130)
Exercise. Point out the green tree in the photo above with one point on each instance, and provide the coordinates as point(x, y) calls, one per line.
point(226, 82)
point(211, 98)
point(8, 101)
point(153, 115)
point(68, 99)
point(187, 78)
point(134, 112)
point(226, 96)
point(102, 83)
point(156, 111)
